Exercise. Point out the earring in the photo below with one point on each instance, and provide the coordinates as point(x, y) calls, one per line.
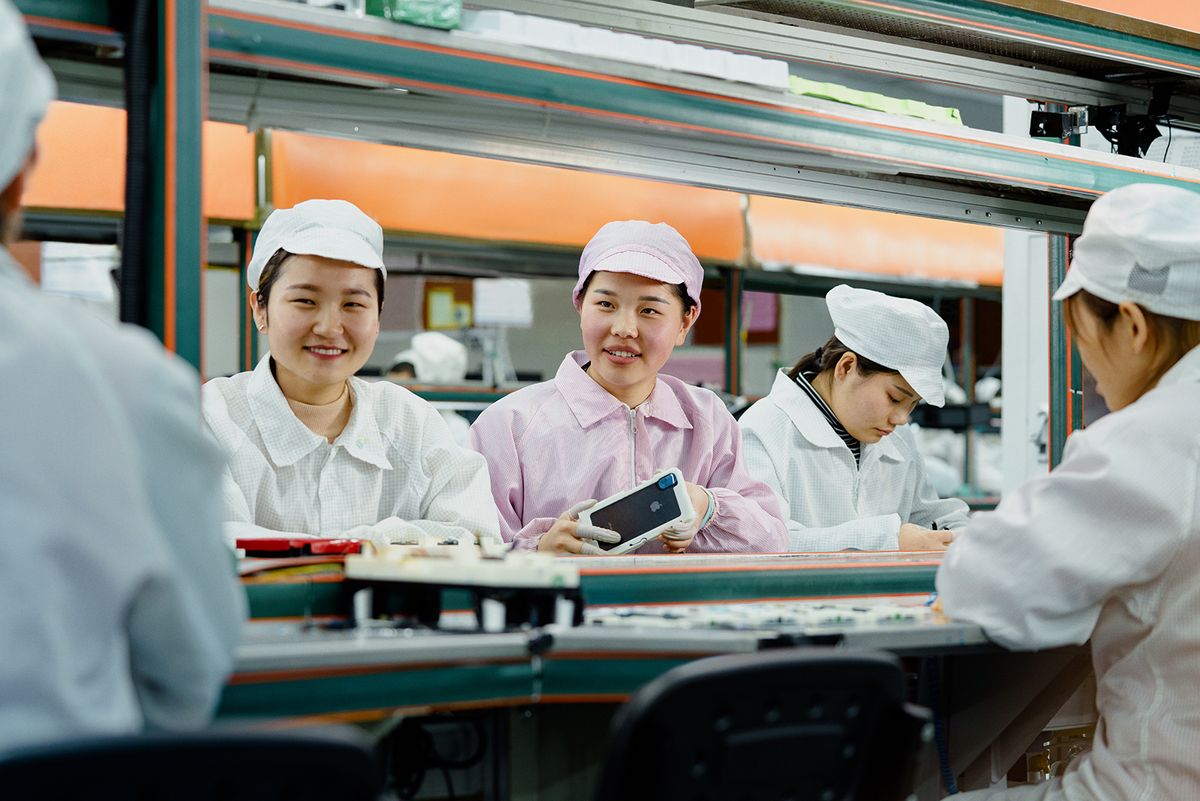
point(262, 327)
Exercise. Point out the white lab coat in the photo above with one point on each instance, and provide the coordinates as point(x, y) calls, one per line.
point(1107, 546)
point(460, 429)
point(120, 604)
point(829, 503)
point(394, 474)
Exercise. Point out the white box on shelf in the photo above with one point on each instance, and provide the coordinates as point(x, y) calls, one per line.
point(503, 302)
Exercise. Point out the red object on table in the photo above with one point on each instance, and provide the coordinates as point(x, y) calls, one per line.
point(286, 546)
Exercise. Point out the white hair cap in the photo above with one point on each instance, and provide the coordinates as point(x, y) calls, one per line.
point(333, 229)
point(900, 334)
point(26, 89)
point(436, 358)
point(652, 250)
point(1141, 243)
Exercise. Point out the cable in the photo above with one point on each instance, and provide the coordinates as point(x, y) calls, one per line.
point(409, 746)
point(449, 784)
point(475, 755)
point(933, 671)
point(412, 753)
point(1167, 149)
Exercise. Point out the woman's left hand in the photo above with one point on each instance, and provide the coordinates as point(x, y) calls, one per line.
point(677, 540)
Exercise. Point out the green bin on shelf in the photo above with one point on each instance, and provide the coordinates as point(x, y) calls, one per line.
point(446, 14)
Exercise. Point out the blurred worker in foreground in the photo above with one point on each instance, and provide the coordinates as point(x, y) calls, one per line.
point(313, 450)
point(610, 420)
point(1107, 546)
point(120, 608)
point(831, 437)
point(435, 358)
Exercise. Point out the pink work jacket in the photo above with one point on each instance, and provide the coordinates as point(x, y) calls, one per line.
point(551, 445)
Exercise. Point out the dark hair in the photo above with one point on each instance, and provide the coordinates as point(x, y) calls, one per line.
point(1173, 336)
point(403, 367)
point(274, 267)
point(828, 355)
point(680, 292)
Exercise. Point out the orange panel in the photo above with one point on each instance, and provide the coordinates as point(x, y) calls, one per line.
point(228, 172)
point(81, 164)
point(795, 232)
point(81, 159)
point(477, 198)
point(1183, 14)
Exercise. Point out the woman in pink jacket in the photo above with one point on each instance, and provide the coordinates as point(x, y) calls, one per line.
point(608, 420)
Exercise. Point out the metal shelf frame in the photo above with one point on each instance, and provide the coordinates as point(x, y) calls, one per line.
point(290, 66)
point(729, 25)
point(174, 232)
point(1032, 34)
point(751, 135)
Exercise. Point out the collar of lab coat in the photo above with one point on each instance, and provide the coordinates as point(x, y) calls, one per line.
point(591, 403)
point(813, 426)
point(288, 440)
point(1183, 371)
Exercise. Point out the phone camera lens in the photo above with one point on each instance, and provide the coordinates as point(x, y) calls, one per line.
point(667, 481)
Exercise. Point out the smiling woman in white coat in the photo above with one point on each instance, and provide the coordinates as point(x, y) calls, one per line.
point(831, 437)
point(314, 450)
point(1107, 545)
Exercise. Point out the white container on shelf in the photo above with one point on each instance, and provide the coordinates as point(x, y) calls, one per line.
point(551, 34)
point(769, 72)
point(715, 63)
point(598, 42)
point(490, 23)
point(634, 49)
point(687, 58)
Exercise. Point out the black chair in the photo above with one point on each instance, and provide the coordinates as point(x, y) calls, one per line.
point(216, 765)
point(804, 724)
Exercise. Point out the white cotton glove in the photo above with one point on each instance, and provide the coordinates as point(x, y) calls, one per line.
point(677, 538)
point(568, 536)
point(392, 531)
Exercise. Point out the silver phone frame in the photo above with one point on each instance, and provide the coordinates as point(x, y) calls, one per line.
point(686, 511)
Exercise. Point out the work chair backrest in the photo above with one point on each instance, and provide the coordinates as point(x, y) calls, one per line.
point(203, 766)
point(805, 724)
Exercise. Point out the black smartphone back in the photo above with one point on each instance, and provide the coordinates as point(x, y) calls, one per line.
point(644, 510)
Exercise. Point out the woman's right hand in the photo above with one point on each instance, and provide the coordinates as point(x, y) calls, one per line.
point(568, 536)
point(915, 538)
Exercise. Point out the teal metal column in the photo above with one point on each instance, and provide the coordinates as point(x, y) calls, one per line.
point(80, 16)
point(247, 238)
point(247, 334)
point(1066, 370)
point(177, 229)
point(733, 279)
point(966, 357)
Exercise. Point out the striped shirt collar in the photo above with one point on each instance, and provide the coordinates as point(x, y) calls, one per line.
point(803, 381)
point(812, 425)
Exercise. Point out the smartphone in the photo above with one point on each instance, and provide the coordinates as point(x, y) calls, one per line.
point(642, 513)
